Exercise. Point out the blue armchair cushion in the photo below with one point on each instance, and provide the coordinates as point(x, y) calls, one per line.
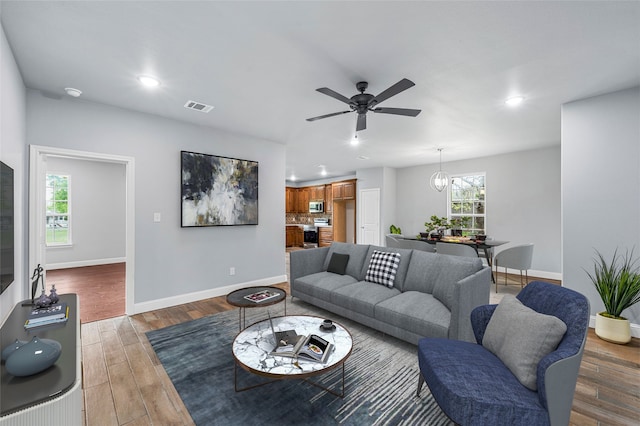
point(521, 337)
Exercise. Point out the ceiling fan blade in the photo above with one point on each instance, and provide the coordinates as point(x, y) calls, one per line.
point(398, 111)
point(362, 122)
point(335, 95)
point(400, 86)
point(327, 115)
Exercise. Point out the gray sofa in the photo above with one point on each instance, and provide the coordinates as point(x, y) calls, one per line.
point(432, 295)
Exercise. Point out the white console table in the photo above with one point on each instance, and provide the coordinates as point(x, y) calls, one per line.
point(53, 396)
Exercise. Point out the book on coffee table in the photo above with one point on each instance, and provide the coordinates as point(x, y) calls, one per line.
point(262, 296)
point(310, 348)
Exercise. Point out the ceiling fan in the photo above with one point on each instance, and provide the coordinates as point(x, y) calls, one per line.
point(364, 102)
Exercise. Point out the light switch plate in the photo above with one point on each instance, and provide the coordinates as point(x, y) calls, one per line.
point(156, 217)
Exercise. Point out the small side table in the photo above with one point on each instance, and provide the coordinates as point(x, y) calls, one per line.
point(236, 298)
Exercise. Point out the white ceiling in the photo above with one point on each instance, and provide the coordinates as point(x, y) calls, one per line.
point(259, 64)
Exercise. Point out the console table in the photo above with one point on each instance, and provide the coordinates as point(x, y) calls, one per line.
point(53, 396)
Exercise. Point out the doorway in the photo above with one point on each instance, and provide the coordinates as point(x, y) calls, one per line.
point(37, 231)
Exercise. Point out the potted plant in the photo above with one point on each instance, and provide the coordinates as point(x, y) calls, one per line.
point(395, 230)
point(458, 223)
point(438, 224)
point(618, 284)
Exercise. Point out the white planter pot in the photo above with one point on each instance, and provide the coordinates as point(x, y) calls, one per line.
point(615, 330)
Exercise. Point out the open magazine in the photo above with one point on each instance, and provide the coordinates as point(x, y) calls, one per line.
point(290, 344)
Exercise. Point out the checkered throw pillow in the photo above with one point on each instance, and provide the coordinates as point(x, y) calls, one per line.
point(382, 268)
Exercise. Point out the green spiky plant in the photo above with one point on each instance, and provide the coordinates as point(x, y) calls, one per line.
point(617, 282)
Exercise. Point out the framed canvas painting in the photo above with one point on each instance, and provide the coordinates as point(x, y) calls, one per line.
point(218, 191)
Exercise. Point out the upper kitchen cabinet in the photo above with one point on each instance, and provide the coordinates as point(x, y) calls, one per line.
point(291, 196)
point(303, 200)
point(328, 199)
point(316, 193)
point(344, 190)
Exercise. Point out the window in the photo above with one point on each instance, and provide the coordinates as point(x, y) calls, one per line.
point(467, 199)
point(58, 212)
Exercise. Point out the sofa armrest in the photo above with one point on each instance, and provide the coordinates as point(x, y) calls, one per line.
point(480, 317)
point(305, 262)
point(469, 292)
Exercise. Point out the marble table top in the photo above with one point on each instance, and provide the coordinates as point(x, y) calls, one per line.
point(252, 347)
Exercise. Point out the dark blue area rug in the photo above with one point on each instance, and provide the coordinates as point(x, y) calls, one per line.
point(381, 376)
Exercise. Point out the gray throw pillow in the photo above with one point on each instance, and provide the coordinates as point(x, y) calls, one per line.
point(338, 263)
point(521, 337)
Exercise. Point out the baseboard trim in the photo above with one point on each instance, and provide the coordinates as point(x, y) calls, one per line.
point(635, 328)
point(533, 273)
point(82, 263)
point(181, 299)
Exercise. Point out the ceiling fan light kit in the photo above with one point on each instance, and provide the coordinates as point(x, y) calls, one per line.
point(365, 102)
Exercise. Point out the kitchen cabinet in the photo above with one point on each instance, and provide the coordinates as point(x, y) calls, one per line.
point(344, 190)
point(303, 200)
point(291, 200)
point(325, 236)
point(328, 199)
point(316, 193)
point(294, 236)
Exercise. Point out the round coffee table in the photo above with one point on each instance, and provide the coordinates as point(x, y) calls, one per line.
point(252, 351)
point(237, 299)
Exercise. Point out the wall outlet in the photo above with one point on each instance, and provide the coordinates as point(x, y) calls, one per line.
point(232, 271)
point(156, 217)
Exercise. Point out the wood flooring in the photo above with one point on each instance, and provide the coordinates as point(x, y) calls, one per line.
point(101, 289)
point(125, 384)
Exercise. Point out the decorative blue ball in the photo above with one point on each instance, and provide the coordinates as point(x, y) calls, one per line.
point(33, 357)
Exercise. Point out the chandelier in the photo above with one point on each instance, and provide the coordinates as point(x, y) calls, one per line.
point(439, 180)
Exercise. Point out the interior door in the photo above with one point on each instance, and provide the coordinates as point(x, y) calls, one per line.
point(369, 215)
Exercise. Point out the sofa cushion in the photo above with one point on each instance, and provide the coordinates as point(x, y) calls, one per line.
point(422, 272)
point(362, 297)
point(383, 268)
point(417, 312)
point(357, 254)
point(338, 263)
point(321, 284)
point(453, 269)
point(405, 259)
point(521, 337)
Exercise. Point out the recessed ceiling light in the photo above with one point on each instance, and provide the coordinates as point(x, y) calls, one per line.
point(323, 172)
point(293, 177)
point(515, 100)
point(148, 81)
point(362, 157)
point(73, 92)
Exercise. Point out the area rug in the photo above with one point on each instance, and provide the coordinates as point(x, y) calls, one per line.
point(381, 376)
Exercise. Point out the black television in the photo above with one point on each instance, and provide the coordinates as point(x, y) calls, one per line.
point(7, 248)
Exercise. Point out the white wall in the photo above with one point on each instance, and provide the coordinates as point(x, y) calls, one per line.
point(98, 195)
point(13, 153)
point(169, 260)
point(600, 186)
point(523, 201)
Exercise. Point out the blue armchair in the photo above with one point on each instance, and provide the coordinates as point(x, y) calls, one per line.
point(474, 387)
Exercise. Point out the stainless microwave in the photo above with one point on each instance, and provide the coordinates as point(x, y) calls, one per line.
point(316, 207)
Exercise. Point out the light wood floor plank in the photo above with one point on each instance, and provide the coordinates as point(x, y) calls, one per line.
point(100, 408)
point(94, 367)
point(126, 396)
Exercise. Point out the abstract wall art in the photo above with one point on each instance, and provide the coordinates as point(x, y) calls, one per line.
point(218, 191)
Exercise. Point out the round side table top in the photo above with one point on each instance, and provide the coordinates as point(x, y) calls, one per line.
point(237, 297)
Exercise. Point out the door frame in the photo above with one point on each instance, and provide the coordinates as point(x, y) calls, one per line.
point(361, 212)
point(37, 171)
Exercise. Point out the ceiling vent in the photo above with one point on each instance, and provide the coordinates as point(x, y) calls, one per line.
point(198, 106)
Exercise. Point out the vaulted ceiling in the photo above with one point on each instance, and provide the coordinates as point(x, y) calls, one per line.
point(259, 63)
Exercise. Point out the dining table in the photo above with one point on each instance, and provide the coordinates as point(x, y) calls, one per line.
point(485, 245)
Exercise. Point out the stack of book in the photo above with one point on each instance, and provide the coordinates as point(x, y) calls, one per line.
point(53, 314)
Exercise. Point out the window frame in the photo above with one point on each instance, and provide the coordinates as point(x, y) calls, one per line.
point(47, 215)
point(451, 214)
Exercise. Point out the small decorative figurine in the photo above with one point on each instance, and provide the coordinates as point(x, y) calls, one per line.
point(43, 301)
point(53, 295)
point(37, 274)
